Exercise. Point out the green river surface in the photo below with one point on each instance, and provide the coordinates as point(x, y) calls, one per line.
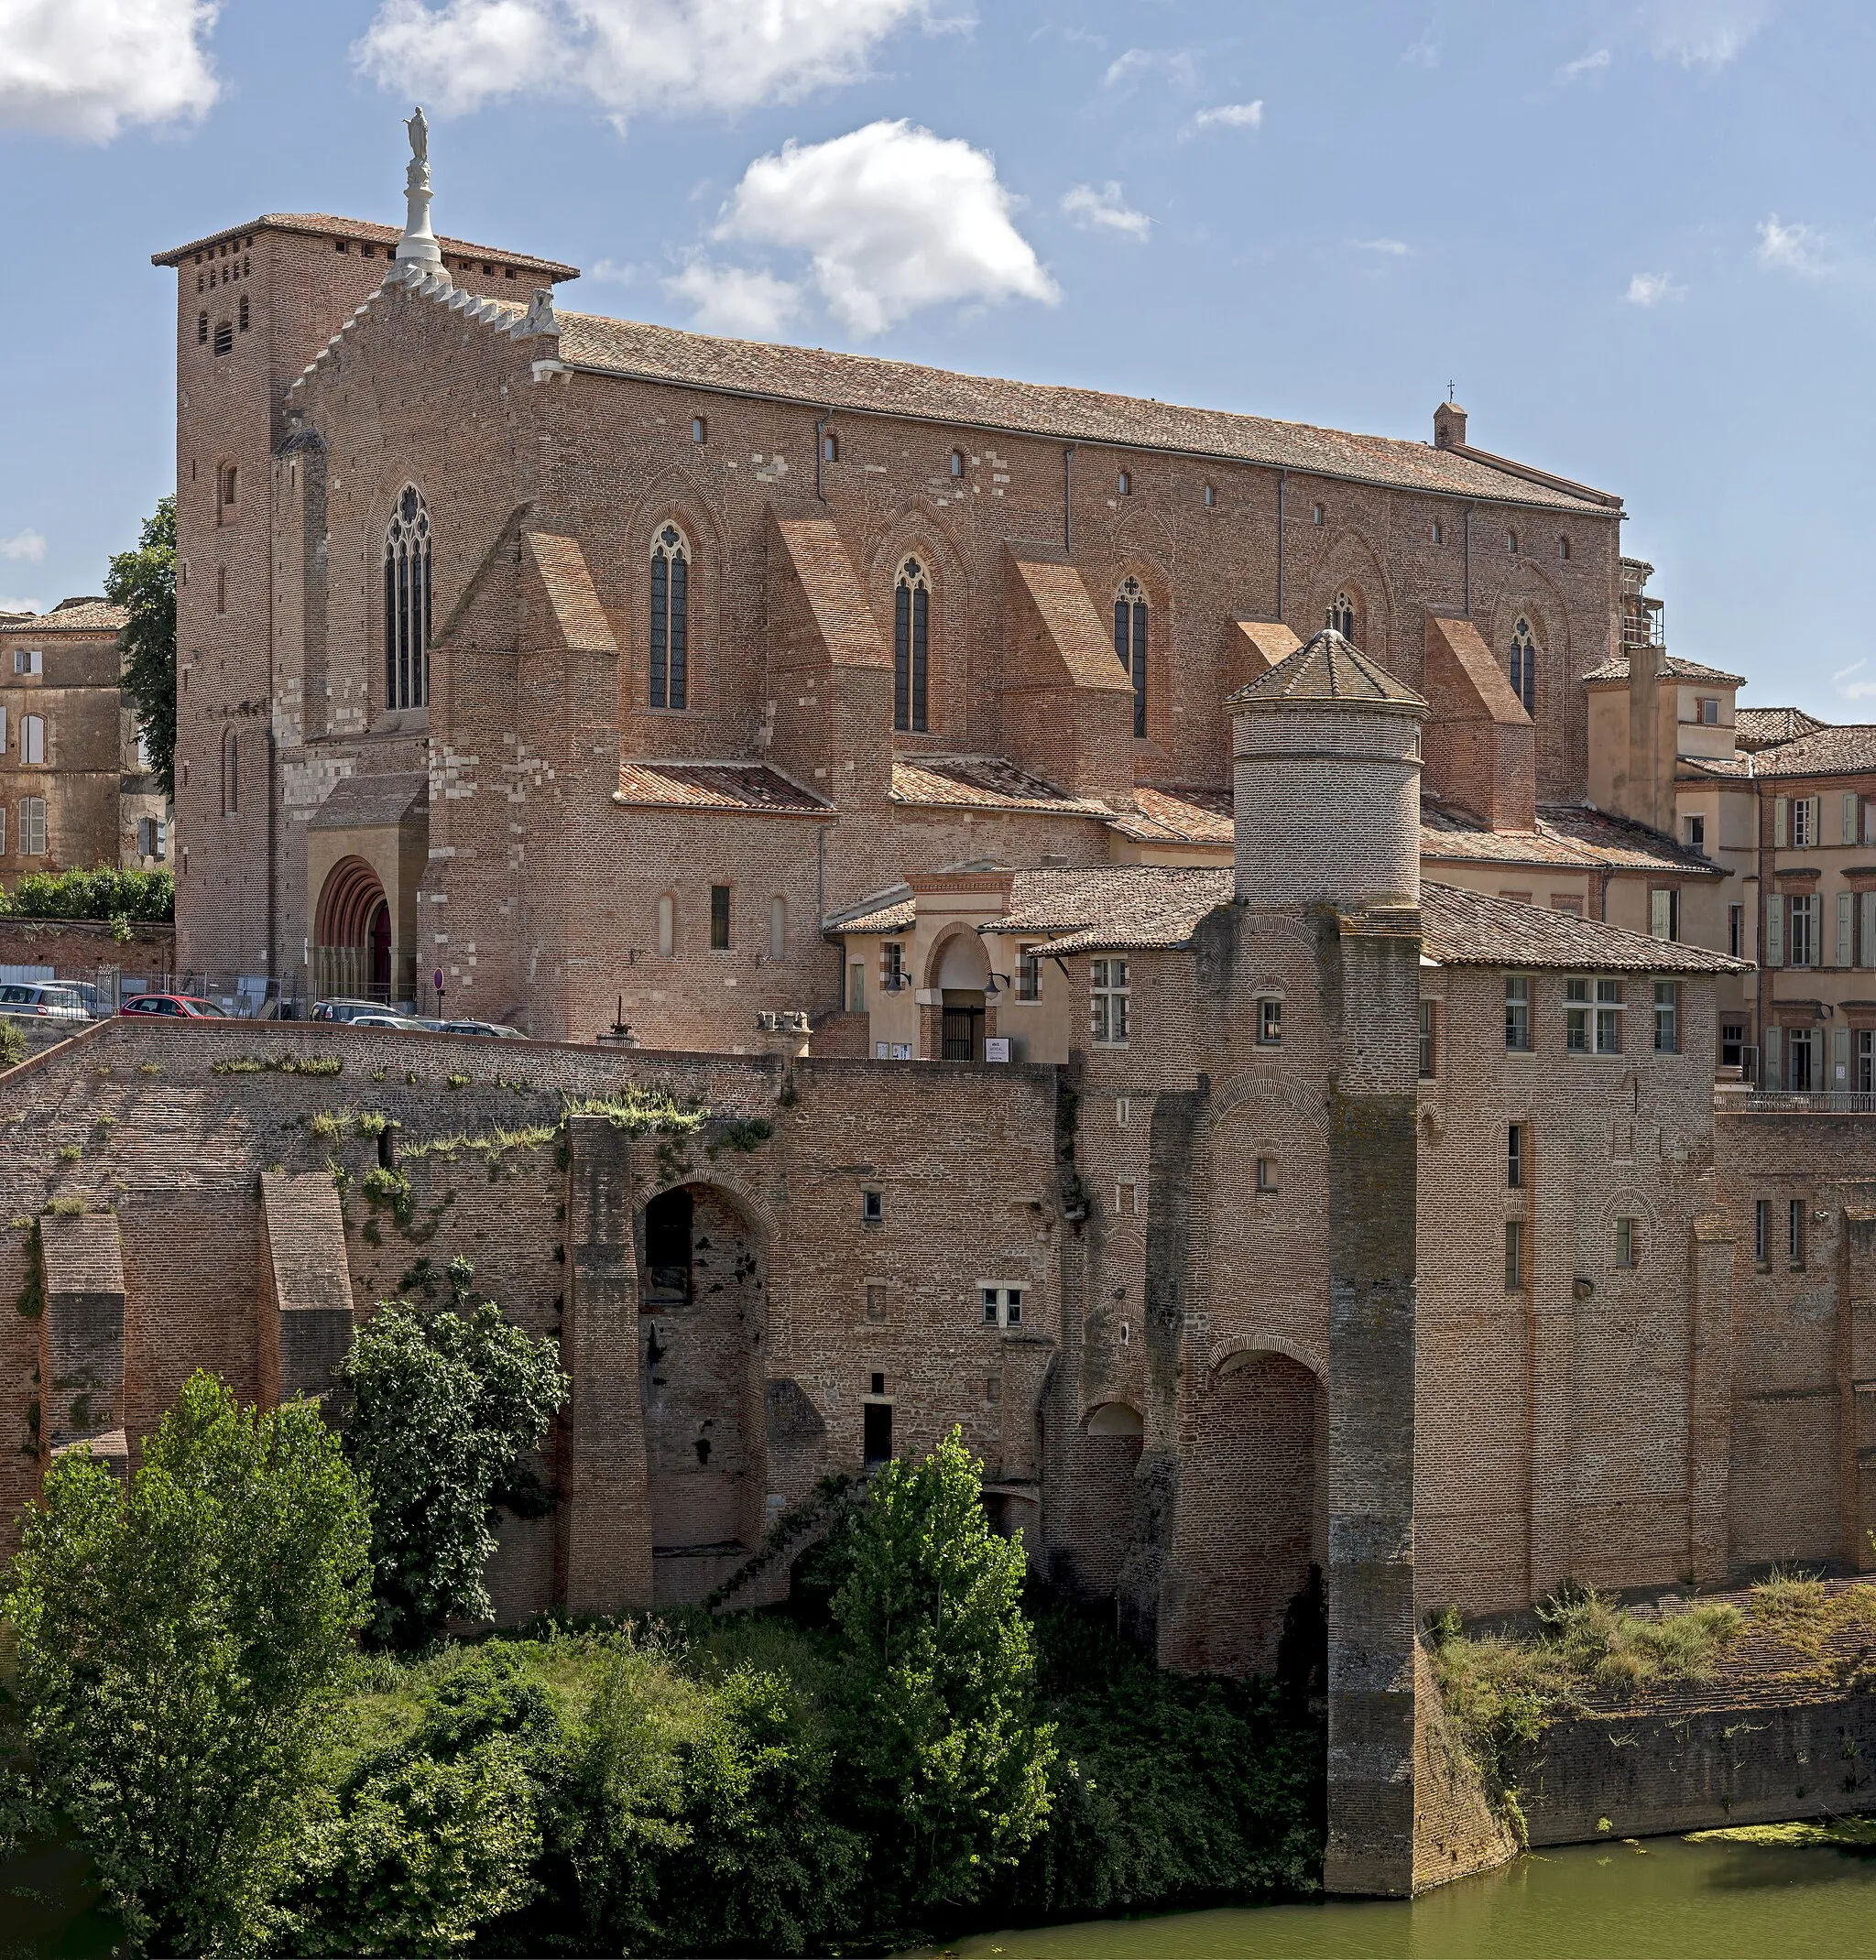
point(1659, 1898)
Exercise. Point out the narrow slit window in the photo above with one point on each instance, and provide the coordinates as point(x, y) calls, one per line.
point(1514, 1255)
point(719, 917)
point(1524, 665)
point(406, 603)
point(1130, 645)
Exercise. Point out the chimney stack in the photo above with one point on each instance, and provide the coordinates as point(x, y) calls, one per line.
point(1449, 426)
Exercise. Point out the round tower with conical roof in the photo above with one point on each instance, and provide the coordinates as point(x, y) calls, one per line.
point(1325, 751)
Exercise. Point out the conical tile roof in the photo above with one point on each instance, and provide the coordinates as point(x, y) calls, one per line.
point(1328, 668)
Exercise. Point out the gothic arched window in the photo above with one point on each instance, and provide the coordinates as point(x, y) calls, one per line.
point(671, 619)
point(1130, 645)
point(1340, 616)
point(1524, 665)
point(911, 633)
point(407, 603)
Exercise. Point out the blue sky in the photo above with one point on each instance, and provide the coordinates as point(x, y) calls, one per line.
point(1637, 236)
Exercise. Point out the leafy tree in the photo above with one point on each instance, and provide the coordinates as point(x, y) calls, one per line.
point(443, 1406)
point(144, 582)
point(181, 1644)
point(951, 1769)
point(104, 893)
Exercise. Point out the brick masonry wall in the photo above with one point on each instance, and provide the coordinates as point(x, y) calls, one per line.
point(77, 948)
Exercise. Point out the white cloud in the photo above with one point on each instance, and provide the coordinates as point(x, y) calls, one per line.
point(26, 544)
point(1859, 690)
point(1797, 248)
point(1649, 288)
point(1422, 53)
point(1104, 211)
point(893, 219)
point(630, 56)
point(1386, 247)
point(1231, 115)
point(1137, 63)
point(1701, 33)
point(740, 301)
point(1843, 673)
point(1585, 64)
point(87, 68)
point(20, 605)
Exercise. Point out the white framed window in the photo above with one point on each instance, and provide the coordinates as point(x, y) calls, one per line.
point(1800, 934)
point(32, 738)
point(1267, 1174)
point(1667, 1017)
point(1517, 1013)
point(1000, 1305)
point(32, 826)
point(1697, 833)
point(152, 837)
point(1269, 1023)
point(28, 661)
point(1123, 484)
point(1710, 711)
point(1593, 1017)
point(892, 966)
point(1108, 995)
point(1805, 824)
point(1628, 1242)
point(700, 429)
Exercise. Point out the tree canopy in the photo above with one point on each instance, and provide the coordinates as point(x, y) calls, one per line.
point(181, 1645)
point(144, 582)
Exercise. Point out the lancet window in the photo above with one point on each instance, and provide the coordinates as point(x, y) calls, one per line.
point(1340, 616)
point(1130, 645)
point(911, 633)
point(671, 619)
point(407, 603)
point(1524, 665)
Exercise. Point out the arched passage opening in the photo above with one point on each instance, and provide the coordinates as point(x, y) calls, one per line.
point(700, 1315)
point(1253, 1514)
point(352, 932)
point(961, 978)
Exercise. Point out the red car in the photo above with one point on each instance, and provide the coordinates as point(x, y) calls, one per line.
point(184, 1007)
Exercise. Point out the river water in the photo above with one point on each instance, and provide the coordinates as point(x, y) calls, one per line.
point(1662, 1899)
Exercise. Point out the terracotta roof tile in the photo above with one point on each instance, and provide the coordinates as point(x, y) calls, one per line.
point(750, 786)
point(900, 915)
point(74, 615)
point(815, 376)
point(1327, 668)
point(1824, 752)
point(1468, 929)
point(324, 223)
point(1672, 665)
point(371, 802)
point(1618, 845)
point(983, 782)
point(1765, 727)
point(1177, 816)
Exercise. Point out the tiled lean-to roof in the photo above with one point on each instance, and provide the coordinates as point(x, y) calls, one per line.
point(1177, 816)
point(1833, 751)
point(819, 379)
point(1468, 929)
point(983, 782)
point(70, 615)
point(1082, 907)
point(753, 787)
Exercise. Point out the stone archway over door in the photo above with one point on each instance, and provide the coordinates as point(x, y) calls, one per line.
point(702, 1308)
point(1253, 1516)
point(352, 934)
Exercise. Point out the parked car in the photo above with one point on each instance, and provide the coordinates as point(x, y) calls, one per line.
point(177, 1006)
point(499, 1028)
point(43, 998)
point(339, 1009)
point(384, 1018)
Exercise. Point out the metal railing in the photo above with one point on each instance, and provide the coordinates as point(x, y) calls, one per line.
point(1812, 1102)
point(349, 972)
point(1643, 626)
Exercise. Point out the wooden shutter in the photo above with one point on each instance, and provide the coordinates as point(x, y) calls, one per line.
point(1781, 821)
point(1846, 926)
point(1774, 931)
point(1869, 924)
point(1772, 1060)
point(1849, 817)
point(1839, 1058)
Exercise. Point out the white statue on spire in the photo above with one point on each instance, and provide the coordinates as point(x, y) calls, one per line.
point(418, 246)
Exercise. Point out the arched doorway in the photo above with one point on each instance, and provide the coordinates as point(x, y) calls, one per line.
point(702, 1309)
point(352, 933)
point(961, 979)
point(1252, 1515)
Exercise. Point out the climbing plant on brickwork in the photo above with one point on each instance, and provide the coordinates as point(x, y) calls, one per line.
point(181, 1643)
point(144, 582)
point(444, 1407)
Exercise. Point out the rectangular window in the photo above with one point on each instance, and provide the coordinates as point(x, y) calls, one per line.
point(1269, 1023)
point(892, 966)
point(1267, 1173)
point(32, 738)
point(28, 660)
point(1664, 913)
point(872, 1207)
point(876, 1302)
point(1736, 930)
point(1514, 1255)
point(856, 989)
point(1002, 1305)
point(1667, 1018)
point(1732, 1044)
point(1029, 974)
point(1794, 1235)
point(32, 826)
point(1514, 1157)
point(1697, 833)
point(1803, 822)
point(719, 917)
point(1863, 1081)
point(1710, 711)
point(699, 428)
point(1762, 1232)
point(1517, 1012)
point(1801, 938)
point(1628, 1241)
point(1428, 1054)
point(1107, 1003)
point(1800, 1060)
point(1593, 1017)
point(1127, 1198)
